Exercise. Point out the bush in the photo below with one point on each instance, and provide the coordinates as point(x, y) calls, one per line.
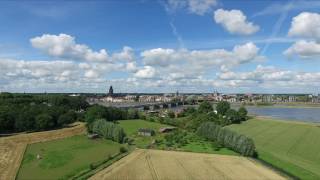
point(123, 149)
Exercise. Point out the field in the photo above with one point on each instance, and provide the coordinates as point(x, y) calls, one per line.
point(195, 144)
point(157, 164)
point(12, 148)
point(64, 157)
point(291, 146)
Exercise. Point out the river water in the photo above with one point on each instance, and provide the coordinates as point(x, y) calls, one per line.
point(287, 113)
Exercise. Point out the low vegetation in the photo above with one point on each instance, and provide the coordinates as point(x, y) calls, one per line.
point(64, 158)
point(290, 146)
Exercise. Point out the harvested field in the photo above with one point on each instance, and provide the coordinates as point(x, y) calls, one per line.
point(12, 148)
point(157, 164)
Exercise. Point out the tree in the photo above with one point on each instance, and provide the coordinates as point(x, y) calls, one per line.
point(233, 116)
point(108, 130)
point(243, 113)
point(44, 121)
point(132, 114)
point(223, 107)
point(93, 113)
point(205, 107)
point(67, 118)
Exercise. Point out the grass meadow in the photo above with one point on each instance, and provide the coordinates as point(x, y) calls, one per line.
point(291, 146)
point(65, 157)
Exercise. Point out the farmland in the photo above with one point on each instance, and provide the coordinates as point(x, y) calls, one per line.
point(157, 164)
point(64, 157)
point(12, 148)
point(291, 146)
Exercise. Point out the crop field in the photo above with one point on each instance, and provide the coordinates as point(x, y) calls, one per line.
point(291, 146)
point(12, 148)
point(157, 164)
point(64, 157)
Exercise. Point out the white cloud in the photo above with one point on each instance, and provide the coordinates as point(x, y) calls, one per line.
point(64, 46)
point(304, 49)
point(146, 72)
point(235, 22)
point(306, 25)
point(127, 54)
point(203, 58)
point(91, 74)
point(269, 78)
point(199, 7)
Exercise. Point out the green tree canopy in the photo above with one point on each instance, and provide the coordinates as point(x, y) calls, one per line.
point(243, 113)
point(223, 107)
point(205, 107)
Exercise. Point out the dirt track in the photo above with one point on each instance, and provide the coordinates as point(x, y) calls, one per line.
point(12, 148)
point(156, 164)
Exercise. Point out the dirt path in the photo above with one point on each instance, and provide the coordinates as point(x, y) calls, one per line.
point(156, 164)
point(12, 148)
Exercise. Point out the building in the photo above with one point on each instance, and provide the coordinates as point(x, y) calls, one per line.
point(292, 99)
point(146, 132)
point(166, 129)
point(110, 93)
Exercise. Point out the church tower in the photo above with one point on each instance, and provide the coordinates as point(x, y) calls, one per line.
point(110, 91)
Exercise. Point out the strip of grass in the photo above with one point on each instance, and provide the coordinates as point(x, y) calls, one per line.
point(63, 157)
point(292, 147)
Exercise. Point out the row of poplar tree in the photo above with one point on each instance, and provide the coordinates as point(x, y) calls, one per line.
point(227, 138)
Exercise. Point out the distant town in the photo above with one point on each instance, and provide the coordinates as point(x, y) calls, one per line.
point(112, 98)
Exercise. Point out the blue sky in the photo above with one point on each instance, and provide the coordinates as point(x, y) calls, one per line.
point(160, 46)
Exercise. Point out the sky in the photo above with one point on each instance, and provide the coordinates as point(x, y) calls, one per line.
point(152, 46)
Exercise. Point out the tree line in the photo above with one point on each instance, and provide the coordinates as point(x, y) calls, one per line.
point(227, 138)
point(29, 112)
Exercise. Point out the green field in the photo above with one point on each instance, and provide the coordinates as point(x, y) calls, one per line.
point(291, 146)
point(64, 157)
point(195, 143)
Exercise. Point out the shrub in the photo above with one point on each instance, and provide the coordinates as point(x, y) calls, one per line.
point(123, 149)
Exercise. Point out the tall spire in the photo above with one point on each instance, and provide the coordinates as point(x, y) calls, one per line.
point(110, 91)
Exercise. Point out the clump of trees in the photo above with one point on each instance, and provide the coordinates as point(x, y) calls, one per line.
point(178, 137)
point(227, 138)
point(108, 130)
point(111, 114)
point(36, 112)
point(222, 115)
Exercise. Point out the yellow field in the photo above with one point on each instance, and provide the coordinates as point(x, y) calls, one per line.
point(12, 148)
point(157, 164)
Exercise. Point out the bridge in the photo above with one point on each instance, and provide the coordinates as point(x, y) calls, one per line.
point(139, 105)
